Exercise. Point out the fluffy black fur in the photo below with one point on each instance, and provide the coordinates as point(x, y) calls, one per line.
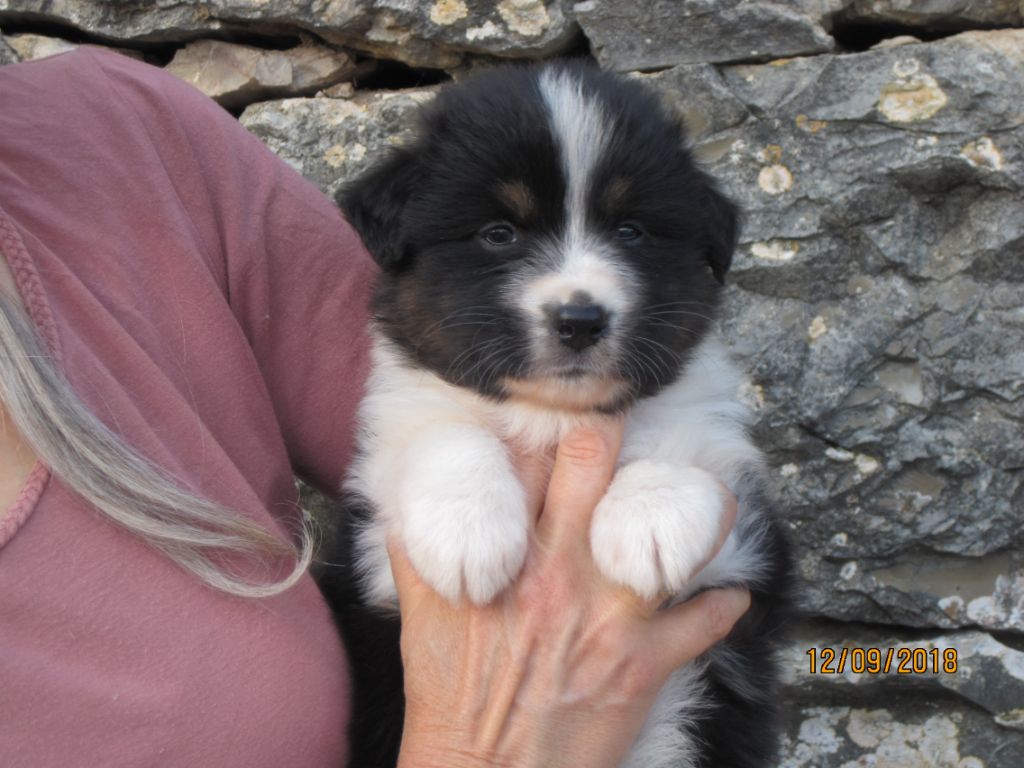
point(741, 726)
point(372, 640)
point(421, 214)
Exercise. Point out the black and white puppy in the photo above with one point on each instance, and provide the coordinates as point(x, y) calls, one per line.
point(551, 254)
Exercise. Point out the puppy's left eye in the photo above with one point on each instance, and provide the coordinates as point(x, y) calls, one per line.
point(500, 234)
point(627, 232)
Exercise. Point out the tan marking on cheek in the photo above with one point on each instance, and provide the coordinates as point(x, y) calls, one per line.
point(518, 197)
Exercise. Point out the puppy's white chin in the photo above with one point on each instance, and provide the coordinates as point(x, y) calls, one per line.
point(576, 393)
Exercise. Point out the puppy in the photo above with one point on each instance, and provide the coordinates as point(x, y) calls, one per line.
point(551, 254)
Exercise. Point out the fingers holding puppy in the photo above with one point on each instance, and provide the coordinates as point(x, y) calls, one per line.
point(564, 663)
point(583, 469)
point(649, 527)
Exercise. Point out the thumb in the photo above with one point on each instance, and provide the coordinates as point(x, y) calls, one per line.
point(684, 632)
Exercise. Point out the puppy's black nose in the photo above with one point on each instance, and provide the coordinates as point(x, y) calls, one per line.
point(580, 325)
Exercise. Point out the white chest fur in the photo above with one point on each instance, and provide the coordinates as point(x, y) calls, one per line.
point(434, 463)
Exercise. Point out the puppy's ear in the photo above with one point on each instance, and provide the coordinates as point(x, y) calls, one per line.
point(374, 204)
point(722, 230)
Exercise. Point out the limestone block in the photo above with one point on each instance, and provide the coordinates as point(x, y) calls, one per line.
point(631, 35)
point(332, 140)
point(902, 734)
point(28, 47)
point(423, 33)
point(236, 75)
point(876, 297)
point(936, 15)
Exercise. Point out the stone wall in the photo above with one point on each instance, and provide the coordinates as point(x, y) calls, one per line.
point(877, 147)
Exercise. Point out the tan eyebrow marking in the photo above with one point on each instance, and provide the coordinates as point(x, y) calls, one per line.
point(617, 191)
point(518, 197)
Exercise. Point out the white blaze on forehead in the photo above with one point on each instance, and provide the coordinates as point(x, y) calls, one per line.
point(580, 261)
point(579, 126)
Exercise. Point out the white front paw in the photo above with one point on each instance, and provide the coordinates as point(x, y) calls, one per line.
point(464, 523)
point(655, 525)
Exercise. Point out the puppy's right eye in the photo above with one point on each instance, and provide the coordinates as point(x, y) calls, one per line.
point(500, 234)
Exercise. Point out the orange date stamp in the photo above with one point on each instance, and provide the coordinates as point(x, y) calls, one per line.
point(903, 660)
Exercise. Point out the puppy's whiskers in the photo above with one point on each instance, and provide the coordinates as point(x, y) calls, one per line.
point(464, 355)
point(483, 352)
point(479, 310)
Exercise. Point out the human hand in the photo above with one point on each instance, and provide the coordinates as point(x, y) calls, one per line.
point(562, 667)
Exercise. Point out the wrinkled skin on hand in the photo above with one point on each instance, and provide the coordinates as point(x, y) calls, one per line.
point(562, 667)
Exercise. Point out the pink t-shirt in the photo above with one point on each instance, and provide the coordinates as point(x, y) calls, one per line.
point(209, 305)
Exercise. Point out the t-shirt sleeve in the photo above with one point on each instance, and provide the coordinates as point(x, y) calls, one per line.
point(293, 271)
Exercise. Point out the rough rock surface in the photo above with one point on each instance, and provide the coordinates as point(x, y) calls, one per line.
point(7, 54)
point(627, 35)
point(236, 75)
point(936, 15)
point(426, 33)
point(27, 47)
point(876, 298)
point(911, 733)
point(332, 140)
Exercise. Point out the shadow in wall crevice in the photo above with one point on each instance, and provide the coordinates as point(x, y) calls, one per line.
point(389, 75)
point(857, 35)
point(157, 52)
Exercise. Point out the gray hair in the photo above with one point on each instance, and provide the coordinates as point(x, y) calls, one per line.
point(206, 539)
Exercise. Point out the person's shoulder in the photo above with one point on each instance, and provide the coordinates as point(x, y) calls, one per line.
point(148, 86)
point(83, 66)
point(127, 70)
point(100, 85)
point(56, 65)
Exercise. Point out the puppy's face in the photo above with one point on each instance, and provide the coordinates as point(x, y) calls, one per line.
point(547, 238)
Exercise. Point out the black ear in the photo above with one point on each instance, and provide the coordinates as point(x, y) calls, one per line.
point(721, 218)
point(374, 203)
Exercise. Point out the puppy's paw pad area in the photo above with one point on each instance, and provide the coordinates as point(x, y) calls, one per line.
point(655, 525)
point(464, 521)
point(462, 554)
